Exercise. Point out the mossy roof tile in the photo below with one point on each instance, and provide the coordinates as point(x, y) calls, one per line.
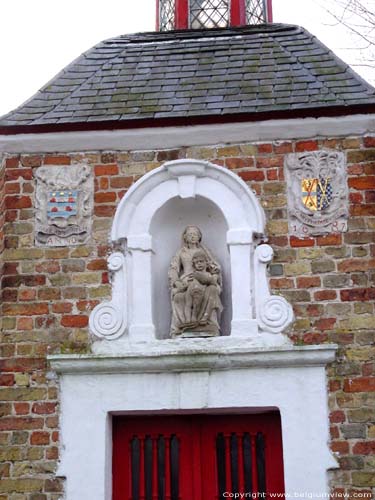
point(200, 72)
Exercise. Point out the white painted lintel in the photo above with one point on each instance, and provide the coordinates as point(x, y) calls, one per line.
point(163, 357)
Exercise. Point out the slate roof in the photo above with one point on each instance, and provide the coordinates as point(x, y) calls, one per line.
point(195, 73)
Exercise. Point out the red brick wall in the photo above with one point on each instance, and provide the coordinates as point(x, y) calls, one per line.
point(48, 293)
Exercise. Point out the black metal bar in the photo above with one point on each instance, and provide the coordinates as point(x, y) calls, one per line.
point(135, 466)
point(175, 467)
point(247, 462)
point(161, 468)
point(234, 462)
point(261, 464)
point(148, 468)
point(220, 461)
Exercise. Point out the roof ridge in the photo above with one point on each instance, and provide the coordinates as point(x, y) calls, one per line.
point(153, 36)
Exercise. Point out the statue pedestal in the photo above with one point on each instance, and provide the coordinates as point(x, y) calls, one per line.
point(194, 335)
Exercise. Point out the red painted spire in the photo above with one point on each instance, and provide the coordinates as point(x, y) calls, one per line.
point(204, 14)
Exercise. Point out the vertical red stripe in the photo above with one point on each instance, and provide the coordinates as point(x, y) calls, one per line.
point(182, 14)
point(157, 16)
point(237, 13)
point(269, 11)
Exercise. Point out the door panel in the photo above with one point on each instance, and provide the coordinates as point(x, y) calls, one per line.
point(196, 457)
point(152, 458)
point(247, 454)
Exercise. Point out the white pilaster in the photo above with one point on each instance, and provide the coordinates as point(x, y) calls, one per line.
point(141, 326)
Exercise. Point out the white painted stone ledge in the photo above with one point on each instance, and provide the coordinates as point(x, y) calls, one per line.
point(194, 135)
point(173, 356)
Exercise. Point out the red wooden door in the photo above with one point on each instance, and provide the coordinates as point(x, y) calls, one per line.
point(196, 457)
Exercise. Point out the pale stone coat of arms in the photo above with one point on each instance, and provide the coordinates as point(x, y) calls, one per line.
point(64, 205)
point(317, 192)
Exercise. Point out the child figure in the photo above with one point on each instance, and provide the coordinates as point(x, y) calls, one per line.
point(202, 290)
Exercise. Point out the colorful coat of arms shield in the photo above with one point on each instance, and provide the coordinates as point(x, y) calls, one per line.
point(62, 204)
point(316, 193)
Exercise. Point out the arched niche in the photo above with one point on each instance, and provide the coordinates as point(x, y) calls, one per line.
point(166, 228)
point(159, 206)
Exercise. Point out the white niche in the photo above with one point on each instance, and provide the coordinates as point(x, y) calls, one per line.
point(147, 231)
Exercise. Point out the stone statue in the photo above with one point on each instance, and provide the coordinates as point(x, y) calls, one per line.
point(195, 283)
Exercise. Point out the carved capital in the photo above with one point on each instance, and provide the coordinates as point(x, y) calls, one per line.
point(239, 237)
point(140, 242)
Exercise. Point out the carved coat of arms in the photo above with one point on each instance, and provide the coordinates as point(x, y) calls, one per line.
point(317, 192)
point(64, 205)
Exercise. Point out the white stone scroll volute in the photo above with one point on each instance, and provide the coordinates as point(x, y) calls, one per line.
point(108, 319)
point(274, 313)
point(166, 196)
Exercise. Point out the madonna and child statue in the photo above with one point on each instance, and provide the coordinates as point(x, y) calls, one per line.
point(195, 283)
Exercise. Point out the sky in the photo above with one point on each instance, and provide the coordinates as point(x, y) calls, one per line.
point(38, 38)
